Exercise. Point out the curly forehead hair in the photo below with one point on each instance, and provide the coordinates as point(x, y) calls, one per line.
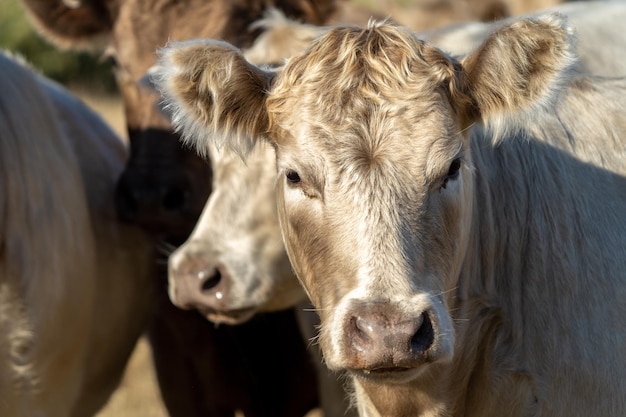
point(380, 63)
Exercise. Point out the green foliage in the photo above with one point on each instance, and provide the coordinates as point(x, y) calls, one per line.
point(68, 67)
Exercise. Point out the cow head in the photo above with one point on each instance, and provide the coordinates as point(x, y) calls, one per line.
point(234, 263)
point(165, 185)
point(375, 184)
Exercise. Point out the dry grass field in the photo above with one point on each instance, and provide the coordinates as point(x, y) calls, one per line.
point(138, 394)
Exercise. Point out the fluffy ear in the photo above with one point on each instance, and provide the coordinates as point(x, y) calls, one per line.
point(520, 67)
point(73, 24)
point(213, 94)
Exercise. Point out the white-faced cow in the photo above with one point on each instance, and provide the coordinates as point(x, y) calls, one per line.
point(458, 224)
point(234, 264)
point(73, 279)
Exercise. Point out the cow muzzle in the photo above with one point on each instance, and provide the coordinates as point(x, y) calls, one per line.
point(384, 340)
point(195, 283)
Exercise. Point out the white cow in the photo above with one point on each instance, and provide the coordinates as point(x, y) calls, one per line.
point(74, 283)
point(458, 224)
point(236, 247)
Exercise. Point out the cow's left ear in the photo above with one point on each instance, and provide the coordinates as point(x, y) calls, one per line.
point(214, 96)
point(520, 67)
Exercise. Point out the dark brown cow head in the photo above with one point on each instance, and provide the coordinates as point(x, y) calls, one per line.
point(165, 185)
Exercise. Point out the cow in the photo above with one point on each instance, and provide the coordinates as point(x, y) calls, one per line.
point(233, 265)
point(456, 222)
point(73, 278)
point(594, 22)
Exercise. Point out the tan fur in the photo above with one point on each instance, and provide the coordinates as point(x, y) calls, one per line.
point(65, 261)
point(517, 260)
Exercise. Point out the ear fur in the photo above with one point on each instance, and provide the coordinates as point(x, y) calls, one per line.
point(521, 67)
point(213, 94)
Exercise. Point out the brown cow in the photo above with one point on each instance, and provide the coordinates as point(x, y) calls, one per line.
point(73, 278)
point(458, 224)
point(165, 186)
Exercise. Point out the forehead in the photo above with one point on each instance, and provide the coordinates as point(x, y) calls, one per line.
point(367, 90)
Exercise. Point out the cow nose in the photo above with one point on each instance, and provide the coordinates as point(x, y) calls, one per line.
point(194, 283)
point(143, 201)
point(382, 339)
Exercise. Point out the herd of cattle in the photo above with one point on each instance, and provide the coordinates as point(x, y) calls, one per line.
point(415, 215)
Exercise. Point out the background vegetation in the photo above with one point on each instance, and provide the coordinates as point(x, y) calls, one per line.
point(17, 34)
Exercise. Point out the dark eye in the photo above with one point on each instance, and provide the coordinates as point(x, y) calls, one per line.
point(292, 177)
point(453, 172)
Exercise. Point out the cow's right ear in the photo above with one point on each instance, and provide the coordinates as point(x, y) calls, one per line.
point(74, 24)
point(214, 96)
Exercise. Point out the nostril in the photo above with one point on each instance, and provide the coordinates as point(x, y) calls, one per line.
point(174, 199)
point(425, 335)
point(211, 281)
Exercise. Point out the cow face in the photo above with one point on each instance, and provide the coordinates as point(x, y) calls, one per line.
point(234, 264)
point(373, 195)
point(165, 185)
point(375, 183)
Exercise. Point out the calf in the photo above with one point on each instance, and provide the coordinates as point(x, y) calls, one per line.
point(455, 222)
point(76, 285)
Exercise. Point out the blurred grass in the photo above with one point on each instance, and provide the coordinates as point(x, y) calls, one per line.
point(67, 67)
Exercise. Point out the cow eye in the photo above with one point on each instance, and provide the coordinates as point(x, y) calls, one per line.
point(453, 172)
point(292, 177)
